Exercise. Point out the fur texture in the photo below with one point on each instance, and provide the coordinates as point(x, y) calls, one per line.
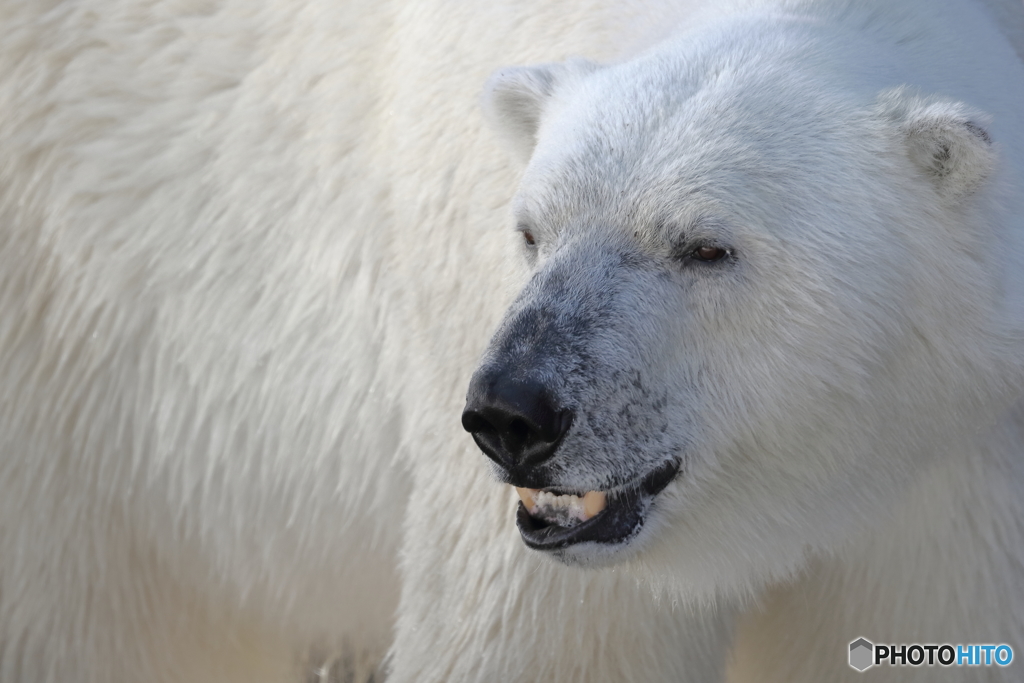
point(252, 251)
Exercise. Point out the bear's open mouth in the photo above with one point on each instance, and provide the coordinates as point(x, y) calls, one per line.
point(549, 521)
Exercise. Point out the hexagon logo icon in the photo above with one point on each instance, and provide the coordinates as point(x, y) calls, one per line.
point(861, 651)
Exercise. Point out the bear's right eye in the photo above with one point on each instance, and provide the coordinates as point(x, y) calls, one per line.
point(527, 233)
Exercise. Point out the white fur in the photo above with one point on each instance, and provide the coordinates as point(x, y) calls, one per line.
point(253, 249)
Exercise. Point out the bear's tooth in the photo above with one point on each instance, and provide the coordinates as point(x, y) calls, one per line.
point(528, 496)
point(593, 503)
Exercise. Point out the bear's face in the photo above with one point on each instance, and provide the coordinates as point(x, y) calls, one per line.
point(734, 330)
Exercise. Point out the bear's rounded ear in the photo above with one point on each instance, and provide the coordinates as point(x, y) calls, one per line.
point(947, 140)
point(514, 99)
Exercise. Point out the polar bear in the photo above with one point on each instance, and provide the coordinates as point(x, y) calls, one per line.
point(253, 250)
point(742, 368)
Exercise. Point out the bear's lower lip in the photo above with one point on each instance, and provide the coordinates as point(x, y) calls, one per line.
point(620, 520)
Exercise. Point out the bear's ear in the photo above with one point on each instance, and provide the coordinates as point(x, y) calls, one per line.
point(946, 140)
point(514, 99)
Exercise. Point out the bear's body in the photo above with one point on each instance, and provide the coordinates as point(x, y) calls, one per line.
point(253, 250)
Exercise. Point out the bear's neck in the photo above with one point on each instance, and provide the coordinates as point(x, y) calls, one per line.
point(940, 569)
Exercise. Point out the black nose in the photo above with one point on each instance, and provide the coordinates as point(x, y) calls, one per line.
point(513, 421)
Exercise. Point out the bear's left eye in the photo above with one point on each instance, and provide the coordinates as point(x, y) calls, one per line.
point(709, 254)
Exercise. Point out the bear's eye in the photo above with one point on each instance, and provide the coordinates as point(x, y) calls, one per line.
point(529, 238)
point(709, 254)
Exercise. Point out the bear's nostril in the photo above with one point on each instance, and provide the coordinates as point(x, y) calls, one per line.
point(518, 430)
point(474, 423)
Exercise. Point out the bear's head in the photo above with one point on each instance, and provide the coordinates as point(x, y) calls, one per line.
point(762, 299)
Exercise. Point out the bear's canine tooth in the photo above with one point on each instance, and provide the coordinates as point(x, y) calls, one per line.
point(593, 503)
point(528, 496)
